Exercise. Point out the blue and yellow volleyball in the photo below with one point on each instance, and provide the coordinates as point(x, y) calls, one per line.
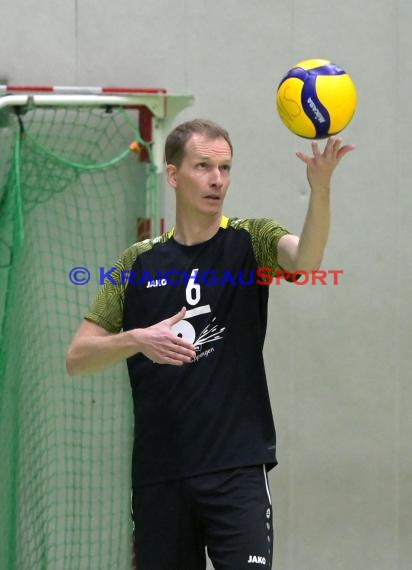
point(316, 99)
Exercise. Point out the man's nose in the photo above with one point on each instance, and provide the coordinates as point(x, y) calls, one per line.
point(216, 177)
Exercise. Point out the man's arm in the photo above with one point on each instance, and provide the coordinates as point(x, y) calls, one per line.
point(93, 348)
point(305, 253)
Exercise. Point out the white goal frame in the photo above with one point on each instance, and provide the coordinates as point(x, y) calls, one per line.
point(157, 110)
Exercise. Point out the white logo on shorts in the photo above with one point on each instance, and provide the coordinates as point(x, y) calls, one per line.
point(256, 560)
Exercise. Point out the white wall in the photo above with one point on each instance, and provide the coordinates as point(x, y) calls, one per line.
point(339, 358)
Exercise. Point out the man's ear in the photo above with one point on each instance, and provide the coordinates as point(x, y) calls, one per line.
point(171, 172)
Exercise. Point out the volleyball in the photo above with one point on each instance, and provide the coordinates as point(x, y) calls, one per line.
point(316, 99)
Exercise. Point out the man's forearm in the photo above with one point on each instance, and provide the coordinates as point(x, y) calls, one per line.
point(94, 353)
point(315, 232)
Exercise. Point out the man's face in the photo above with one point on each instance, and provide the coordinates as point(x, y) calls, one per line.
point(202, 179)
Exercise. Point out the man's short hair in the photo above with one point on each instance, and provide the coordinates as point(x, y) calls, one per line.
point(177, 139)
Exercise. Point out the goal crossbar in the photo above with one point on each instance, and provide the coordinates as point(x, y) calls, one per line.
point(155, 106)
point(163, 107)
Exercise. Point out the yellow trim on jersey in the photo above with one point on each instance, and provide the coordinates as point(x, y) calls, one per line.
point(224, 222)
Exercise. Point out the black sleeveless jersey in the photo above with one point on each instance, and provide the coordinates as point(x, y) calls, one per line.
point(215, 412)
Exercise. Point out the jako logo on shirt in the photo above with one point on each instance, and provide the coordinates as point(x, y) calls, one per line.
point(156, 283)
point(256, 560)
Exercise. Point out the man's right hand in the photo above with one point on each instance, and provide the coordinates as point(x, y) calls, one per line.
point(162, 346)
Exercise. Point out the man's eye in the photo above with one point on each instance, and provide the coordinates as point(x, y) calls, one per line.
point(225, 167)
point(202, 165)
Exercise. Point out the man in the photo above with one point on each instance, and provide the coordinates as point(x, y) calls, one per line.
point(188, 311)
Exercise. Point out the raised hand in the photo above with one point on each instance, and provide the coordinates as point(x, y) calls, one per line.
point(320, 165)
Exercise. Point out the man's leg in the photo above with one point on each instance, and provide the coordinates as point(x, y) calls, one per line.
point(167, 536)
point(236, 511)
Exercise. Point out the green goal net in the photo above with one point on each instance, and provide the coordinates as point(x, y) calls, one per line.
point(71, 192)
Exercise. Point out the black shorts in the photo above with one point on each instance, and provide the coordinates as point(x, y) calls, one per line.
point(229, 513)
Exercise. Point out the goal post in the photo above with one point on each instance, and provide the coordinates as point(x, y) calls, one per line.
point(81, 168)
